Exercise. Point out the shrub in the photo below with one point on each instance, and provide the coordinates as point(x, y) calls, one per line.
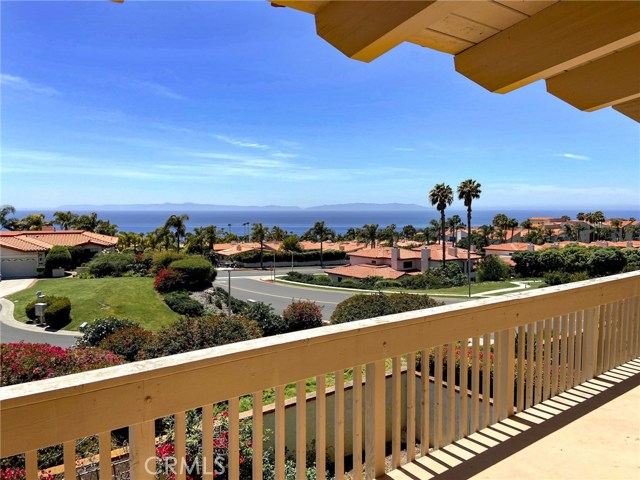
point(194, 333)
point(30, 309)
point(491, 268)
point(162, 260)
point(269, 322)
point(168, 280)
point(196, 272)
point(556, 278)
point(182, 303)
point(27, 362)
point(101, 328)
point(111, 264)
point(360, 307)
point(445, 277)
point(382, 284)
point(58, 257)
point(302, 315)
point(606, 261)
point(127, 342)
point(58, 312)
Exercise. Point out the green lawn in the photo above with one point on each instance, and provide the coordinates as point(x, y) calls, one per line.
point(481, 287)
point(130, 297)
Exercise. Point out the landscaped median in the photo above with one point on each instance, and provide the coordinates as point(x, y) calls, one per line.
point(128, 297)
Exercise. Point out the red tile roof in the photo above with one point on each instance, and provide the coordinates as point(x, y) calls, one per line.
point(381, 252)
point(364, 271)
point(38, 240)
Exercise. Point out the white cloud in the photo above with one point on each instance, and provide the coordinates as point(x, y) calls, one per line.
point(157, 89)
point(23, 85)
point(572, 156)
point(241, 143)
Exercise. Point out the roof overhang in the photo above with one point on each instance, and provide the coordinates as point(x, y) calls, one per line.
point(588, 52)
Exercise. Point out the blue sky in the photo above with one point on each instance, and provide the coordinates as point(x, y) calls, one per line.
point(241, 103)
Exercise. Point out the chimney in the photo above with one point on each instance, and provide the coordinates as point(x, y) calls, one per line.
point(629, 244)
point(473, 249)
point(452, 251)
point(424, 259)
point(341, 247)
point(238, 247)
point(48, 228)
point(395, 258)
point(530, 247)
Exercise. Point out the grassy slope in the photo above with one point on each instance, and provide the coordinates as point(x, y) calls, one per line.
point(130, 297)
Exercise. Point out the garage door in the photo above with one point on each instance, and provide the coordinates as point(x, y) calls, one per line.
point(18, 268)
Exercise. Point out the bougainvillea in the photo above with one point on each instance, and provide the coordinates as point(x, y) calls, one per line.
point(20, 474)
point(302, 315)
point(27, 362)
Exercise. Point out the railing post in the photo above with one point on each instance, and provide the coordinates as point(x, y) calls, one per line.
point(375, 419)
point(503, 388)
point(142, 452)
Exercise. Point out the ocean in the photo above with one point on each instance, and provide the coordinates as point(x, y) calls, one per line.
point(299, 221)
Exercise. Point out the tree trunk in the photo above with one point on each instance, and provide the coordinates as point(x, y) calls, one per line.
point(444, 244)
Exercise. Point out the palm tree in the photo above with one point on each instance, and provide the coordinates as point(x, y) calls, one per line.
point(441, 196)
point(468, 191)
point(526, 224)
point(65, 219)
point(8, 223)
point(580, 216)
point(177, 222)
point(321, 233)
point(34, 221)
point(433, 231)
point(453, 223)
point(277, 233)
point(259, 234)
point(87, 222)
point(370, 233)
point(512, 223)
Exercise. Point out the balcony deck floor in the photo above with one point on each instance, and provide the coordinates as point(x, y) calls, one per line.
point(589, 432)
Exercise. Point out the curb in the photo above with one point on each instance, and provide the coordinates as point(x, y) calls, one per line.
point(7, 318)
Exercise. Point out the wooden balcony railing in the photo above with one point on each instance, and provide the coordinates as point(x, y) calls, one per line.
point(573, 332)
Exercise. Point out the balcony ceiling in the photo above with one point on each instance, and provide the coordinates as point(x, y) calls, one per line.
point(588, 52)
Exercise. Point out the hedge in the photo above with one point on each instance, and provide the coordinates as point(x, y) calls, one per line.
point(363, 306)
point(58, 257)
point(182, 303)
point(56, 314)
point(111, 264)
point(196, 272)
point(312, 256)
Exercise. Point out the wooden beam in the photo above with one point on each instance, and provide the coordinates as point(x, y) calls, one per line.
point(364, 30)
point(610, 80)
point(631, 109)
point(560, 37)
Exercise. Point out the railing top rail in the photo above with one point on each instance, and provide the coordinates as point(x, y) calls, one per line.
point(83, 404)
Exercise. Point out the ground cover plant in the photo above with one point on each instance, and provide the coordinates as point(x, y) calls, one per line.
point(128, 297)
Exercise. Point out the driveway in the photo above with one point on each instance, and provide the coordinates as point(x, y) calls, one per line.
point(12, 330)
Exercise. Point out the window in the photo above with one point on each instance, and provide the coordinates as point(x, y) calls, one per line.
point(408, 264)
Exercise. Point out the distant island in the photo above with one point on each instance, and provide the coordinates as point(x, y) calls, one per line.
point(194, 207)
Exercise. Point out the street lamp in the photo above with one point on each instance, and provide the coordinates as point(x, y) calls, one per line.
point(228, 270)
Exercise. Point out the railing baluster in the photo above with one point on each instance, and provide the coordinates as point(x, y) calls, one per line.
point(375, 419)
point(180, 439)
point(635, 315)
point(530, 364)
point(69, 459)
point(497, 377)
point(31, 464)
point(104, 451)
point(564, 325)
point(555, 370)
point(357, 422)
point(486, 380)
point(609, 333)
point(321, 427)
point(234, 439)
point(280, 433)
point(425, 402)
point(600, 318)
point(624, 351)
point(451, 393)
point(437, 406)
point(301, 430)
point(539, 362)
point(579, 339)
point(546, 381)
point(475, 385)
point(142, 453)
point(615, 341)
point(257, 433)
point(396, 413)
point(411, 407)
point(591, 344)
point(521, 380)
point(571, 338)
point(339, 424)
point(208, 459)
point(463, 423)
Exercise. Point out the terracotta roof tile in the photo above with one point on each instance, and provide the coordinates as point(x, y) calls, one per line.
point(364, 271)
point(383, 252)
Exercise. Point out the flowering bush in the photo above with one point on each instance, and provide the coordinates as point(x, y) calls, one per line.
point(127, 342)
point(169, 280)
point(302, 315)
point(21, 474)
point(101, 328)
point(27, 362)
